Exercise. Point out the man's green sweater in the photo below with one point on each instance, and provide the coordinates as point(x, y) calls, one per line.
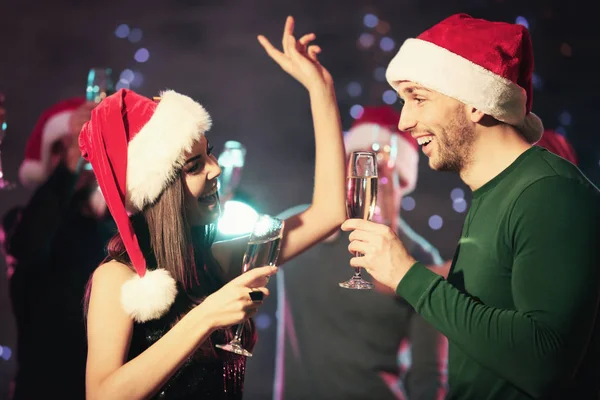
point(520, 305)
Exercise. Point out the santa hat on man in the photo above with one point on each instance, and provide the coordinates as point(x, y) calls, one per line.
point(379, 125)
point(559, 145)
point(136, 147)
point(52, 126)
point(487, 65)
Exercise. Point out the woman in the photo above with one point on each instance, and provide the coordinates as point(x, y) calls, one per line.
point(166, 293)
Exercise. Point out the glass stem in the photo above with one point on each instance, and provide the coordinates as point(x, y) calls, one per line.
point(238, 333)
point(357, 270)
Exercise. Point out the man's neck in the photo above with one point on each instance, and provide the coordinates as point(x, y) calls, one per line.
point(495, 150)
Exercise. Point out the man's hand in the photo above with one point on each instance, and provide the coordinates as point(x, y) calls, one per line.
point(384, 255)
point(80, 116)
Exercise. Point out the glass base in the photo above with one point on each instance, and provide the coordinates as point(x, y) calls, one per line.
point(234, 347)
point(357, 284)
point(6, 185)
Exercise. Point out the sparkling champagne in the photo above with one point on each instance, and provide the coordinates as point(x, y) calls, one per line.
point(361, 196)
point(260, 254)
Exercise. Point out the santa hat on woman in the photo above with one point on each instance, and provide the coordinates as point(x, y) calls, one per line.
point(559, 145)
point(487, 65)
point(379, 126)
point(136, 147)
point(52, 126)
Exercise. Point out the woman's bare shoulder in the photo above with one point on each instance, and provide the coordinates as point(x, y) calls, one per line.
point(112, 272)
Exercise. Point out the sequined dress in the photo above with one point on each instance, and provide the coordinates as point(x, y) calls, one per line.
point(208, 374)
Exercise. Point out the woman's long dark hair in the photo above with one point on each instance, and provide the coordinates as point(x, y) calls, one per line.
point(166, 240)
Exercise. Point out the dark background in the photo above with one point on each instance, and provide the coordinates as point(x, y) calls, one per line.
point(208, 50)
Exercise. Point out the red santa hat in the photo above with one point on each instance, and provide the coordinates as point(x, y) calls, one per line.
point(379, 125)
point(559, 145)
point(52, 125)
point(487, 65)
point(136, 147)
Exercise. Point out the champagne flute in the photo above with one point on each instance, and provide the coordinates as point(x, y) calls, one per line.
point(361, 197)
point(231, 160)
point(263, 249)
point(99, 84)
point(4, 184)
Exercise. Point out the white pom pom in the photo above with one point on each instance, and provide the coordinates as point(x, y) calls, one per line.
point(150, 297)
point(532, 128)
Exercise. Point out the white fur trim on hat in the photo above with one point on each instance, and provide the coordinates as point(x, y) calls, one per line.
point(362, 137)
point(33, 172)
point(150, 297)
point(532, 128)
point(158, 150)
point(441, 70)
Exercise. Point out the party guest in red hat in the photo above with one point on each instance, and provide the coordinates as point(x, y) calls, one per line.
point(166, 294)
point(52, 148)
point(383, 360)
point(51, 273)
point(559, 145)
point(50, 136)
point(398, 158)
point(520, 304)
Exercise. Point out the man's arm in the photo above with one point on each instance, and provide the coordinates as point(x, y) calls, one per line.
point(538, 346)
point(442, 269)
point(433, 260)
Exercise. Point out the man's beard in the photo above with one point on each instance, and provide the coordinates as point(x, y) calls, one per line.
point(454, 145)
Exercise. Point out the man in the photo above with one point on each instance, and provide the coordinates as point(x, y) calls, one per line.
point(336, 343)
point(59, 240)
point(520, 305)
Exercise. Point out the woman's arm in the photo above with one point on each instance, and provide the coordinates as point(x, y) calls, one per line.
point(110, 376)
point(327, 211)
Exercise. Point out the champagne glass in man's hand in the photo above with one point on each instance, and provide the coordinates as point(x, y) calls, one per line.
point(361, 197)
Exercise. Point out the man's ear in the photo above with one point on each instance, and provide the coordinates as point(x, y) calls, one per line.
point(474, 114)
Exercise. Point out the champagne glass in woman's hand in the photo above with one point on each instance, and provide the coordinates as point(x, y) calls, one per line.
point(361, 197)
point(263, 249)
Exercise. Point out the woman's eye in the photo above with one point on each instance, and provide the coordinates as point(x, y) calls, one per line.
point(195, 167)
